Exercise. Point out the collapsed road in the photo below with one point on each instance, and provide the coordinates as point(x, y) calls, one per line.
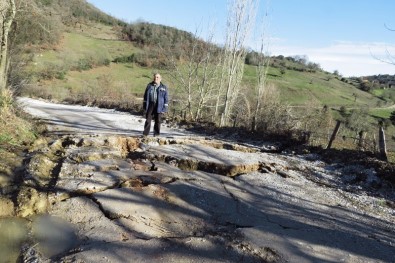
point(94, 191)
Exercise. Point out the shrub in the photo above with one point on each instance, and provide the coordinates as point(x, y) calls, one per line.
point(84, 64)
point(125, 59)
point(343, 111)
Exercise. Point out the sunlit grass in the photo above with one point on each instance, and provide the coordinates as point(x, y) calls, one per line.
point(75, 48)
point(15, 130)
point(383, 113)
point(302, 88)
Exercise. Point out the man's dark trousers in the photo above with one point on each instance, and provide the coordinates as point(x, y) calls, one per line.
point(152, 112)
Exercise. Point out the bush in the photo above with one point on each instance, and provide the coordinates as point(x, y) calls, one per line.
point(84, 64)
point(52, 71)
point(343, 111)
point(125, 59)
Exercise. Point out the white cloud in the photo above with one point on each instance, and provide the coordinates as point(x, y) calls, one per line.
point(349, 58)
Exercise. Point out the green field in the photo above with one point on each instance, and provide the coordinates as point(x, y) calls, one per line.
point(97, 46)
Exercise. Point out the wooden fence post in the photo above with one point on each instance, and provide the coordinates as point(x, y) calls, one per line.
point(333, 137)
point(382, 146)
point(361, 139)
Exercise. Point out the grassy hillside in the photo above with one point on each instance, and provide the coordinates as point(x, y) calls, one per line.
point(82, 68)
point(322, 88)
point(79, 68)
point(84, 56)
point(90, 41)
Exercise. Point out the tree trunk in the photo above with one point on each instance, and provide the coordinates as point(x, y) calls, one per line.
point(7, 14)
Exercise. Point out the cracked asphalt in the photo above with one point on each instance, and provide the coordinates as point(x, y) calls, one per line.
point(115, 197)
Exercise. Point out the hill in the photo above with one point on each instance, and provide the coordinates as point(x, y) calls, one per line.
point(99, 60)
point(90, 50)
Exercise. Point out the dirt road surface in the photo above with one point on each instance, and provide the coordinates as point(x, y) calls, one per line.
point(100, 193)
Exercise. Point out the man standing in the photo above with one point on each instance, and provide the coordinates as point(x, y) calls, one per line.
point(155, 104)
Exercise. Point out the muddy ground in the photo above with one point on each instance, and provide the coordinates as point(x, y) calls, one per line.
point(101, 197)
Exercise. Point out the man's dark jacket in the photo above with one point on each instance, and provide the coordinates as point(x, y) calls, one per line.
point(162, 98)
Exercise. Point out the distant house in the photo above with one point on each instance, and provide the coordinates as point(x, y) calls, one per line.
point(391, 84)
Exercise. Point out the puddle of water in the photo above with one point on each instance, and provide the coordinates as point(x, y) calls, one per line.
point(53, 235)
point(13, 231)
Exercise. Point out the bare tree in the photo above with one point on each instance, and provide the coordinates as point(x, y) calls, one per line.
point(185, 74)
point(240, 21)
point(207, 85)
point(262, 70)
point(7, 15)
point(193, 67)
point(389, 57)
point(23, 22)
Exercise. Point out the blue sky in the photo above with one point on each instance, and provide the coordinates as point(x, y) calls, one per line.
point(342, 35)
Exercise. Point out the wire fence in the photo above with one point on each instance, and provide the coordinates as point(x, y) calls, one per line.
point(339, 137)
point(342, 137)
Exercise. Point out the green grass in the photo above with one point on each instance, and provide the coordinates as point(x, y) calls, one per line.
point(385, 94)
point(15, 130)
point(126, 77)
point(79, 60)
point(378, 92)
point(383, 113)
point(76, 47)
point(96, 43)
point(302, 88)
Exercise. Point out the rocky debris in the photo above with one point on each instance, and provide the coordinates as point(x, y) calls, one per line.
point(11, 171)
point(31, 202)
point(40, 168)
point(123, 199)
point(7, 207)
point(205, 158)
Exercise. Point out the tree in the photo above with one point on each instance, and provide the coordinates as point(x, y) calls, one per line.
point(240, 22)
point(7, 15)
point(262, 70)
point(209, 77)
point(186, 75)
point(241, 17)
point(193, 67)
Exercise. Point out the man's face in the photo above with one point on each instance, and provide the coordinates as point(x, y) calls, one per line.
point(157, 78)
